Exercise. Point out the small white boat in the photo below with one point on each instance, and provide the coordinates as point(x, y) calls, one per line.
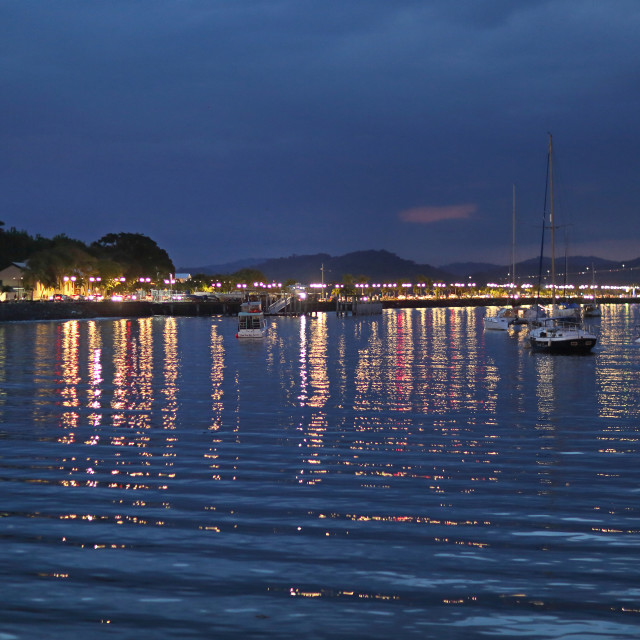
point(251, 321)
point(501, 321)
point(556, 336)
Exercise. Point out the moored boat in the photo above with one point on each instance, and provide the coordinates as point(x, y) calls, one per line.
point(592, 310)
point(565, 311)
point(562, 331)
point(251, 321)
point(501, 321)
point(555, 336)
point(531, 315)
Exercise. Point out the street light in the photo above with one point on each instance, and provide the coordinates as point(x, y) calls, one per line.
point(170, 282)
point(93, 286)
point(70, 282)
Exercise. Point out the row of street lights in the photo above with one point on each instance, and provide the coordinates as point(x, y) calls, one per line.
point(256, 285)
point(96, 282)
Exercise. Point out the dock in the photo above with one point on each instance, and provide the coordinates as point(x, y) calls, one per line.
point(353, 306)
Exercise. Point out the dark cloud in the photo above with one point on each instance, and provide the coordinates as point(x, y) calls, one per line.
point(224, 129)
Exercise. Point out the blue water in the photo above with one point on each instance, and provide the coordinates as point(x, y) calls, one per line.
point(399, 476)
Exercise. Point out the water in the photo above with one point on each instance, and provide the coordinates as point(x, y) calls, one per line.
point(406, 475)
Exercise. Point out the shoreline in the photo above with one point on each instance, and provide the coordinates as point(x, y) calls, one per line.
point(35, 311)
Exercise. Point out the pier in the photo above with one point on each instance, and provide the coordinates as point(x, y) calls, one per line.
point(353, 306)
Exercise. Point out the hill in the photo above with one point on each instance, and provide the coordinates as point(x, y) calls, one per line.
point(226, 267)
point(381, 265)
point(578, 269)
point(466, 269)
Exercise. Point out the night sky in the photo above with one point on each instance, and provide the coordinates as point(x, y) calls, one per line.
point(266, 128)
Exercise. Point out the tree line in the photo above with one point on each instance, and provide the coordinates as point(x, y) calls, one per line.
point(114, 255)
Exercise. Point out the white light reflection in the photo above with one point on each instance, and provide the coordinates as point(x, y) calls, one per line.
point(70, 372)
point(314, 393)
point(94, 390)
point(122, 358)
point(170, 387)
point(217, 398)
point(302, 397)
point(3, 371)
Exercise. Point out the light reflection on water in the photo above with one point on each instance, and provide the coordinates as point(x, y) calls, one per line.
point(344, 477)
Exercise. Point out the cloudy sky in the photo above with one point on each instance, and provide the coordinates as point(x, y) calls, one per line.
point(230, 129)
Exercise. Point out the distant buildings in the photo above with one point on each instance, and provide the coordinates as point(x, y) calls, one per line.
point(11, 282)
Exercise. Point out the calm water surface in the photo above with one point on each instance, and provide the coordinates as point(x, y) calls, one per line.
point(401, 476)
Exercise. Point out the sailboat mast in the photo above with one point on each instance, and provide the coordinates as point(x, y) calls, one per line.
point(513, 240)
point(552, 224)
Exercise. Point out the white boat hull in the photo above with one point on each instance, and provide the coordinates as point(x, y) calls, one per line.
point(251, 333)
point(497, 324)
point(501, 321)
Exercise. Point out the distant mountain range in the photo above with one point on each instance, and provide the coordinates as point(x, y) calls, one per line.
point(576, 270)
point(383, 266)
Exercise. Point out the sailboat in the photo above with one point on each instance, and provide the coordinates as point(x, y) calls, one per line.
point(553, 335)
point(592, 309)
point(506, 316)
point(565, 310)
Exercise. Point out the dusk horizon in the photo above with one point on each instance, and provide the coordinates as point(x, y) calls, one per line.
point(261, 129)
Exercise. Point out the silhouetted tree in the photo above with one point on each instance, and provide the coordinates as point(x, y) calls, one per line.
point(17, 246)
point(138, 255)
point(63, 257)
point(249, 276)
